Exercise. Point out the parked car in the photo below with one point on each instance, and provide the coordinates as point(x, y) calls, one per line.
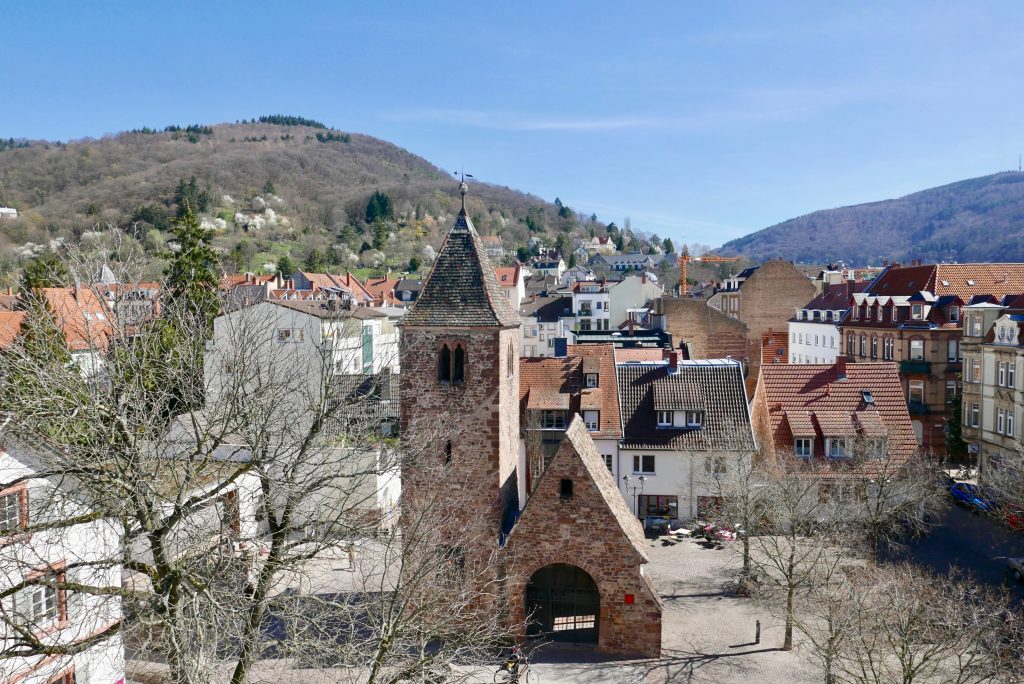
point(1016, 567)
point(971, 496)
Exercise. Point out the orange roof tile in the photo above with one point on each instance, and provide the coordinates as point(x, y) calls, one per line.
point(837, 401)
point(10, 326)
point(559, 383)
point(82, 315)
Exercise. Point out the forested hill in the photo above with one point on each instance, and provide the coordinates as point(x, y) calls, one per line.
point(981, 219)
point(280, 186)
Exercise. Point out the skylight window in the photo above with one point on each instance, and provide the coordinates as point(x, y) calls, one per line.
point(971, 283)
point(868, 397)
point(945, 283)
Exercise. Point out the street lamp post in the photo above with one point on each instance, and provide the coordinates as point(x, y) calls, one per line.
point(635, 489)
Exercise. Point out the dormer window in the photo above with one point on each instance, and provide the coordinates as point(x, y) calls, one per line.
point(803, 447)
point(856, 313)
point(664, 418)
point(592, 420)
point(954, 313)
point(916, 312)
point(835, 447)
point(590, 380)
point(694, 418)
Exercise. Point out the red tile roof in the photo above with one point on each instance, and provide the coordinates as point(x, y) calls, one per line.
point(798, 397)
point(962, 280)
point(382, 289)
point(10, 326)
point(83, 316)
point(559, 383)
point(508, 276)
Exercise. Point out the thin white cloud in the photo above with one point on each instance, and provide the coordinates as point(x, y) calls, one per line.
point(748, 107)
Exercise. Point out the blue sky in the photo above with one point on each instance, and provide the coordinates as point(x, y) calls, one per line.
point(702, 121)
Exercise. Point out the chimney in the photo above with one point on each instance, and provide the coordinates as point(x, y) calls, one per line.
point(840, 367)
point(673, 361)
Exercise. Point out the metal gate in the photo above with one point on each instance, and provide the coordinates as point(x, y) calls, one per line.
point(563, 604)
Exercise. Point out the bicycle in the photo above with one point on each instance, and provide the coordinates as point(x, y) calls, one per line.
point(515, 669)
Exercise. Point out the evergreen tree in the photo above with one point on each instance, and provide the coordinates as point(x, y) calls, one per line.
point(314, 261)
point(379, 207)
point(572, 259)
point(285, 266)
point(268, 187)
point(667, 246)
point(380, 234)
point(44, 270)
point(414, 264)
point(192, 283)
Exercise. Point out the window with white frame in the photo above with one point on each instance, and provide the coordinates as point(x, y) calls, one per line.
point(1001, 374)
point(851, 345)
point(916, 391)
point(916, 350)
point(856, 313)
point(1000, 420)
point(974, 368)
point(11, 511)
point(1011, 374)
point(976, 325)
point(887, 348)
point(975, 414)
point(835, 447)
point(916, 311)
point(643, 464)
point(1009, 422)
point(39, 605)
point(874, 347)
point(592, 419)
point(952, 347)
point(609, 461)
point(803, 447)
point(954, 313)
point(664, 418)
point(694, 418)
point(863, 345)
point(950, 391)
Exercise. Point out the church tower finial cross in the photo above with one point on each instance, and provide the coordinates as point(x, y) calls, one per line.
point(463, 188)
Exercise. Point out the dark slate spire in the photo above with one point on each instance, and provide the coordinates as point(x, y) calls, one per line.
point(461, 289)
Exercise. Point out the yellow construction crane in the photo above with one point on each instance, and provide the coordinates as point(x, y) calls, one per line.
point(685, 258)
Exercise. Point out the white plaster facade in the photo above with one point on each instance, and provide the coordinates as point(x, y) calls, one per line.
point(813, 341)
point(76, 554)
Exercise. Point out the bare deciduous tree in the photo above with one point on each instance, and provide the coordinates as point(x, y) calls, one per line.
point(225, 516)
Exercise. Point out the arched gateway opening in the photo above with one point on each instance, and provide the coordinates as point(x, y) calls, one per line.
point(563, 604)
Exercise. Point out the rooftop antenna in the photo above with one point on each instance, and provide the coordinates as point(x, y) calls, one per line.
point(463, 188)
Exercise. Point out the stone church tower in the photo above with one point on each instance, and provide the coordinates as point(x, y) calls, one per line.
point(460, 395)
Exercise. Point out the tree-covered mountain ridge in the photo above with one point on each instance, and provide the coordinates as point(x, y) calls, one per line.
point(980, 219)
point(280, 186)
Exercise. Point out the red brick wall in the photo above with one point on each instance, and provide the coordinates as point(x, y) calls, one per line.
point(479, 416)
point(710, 333)
point(769, 298)
point(582, 531)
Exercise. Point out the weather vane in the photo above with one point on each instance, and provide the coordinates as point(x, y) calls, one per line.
point(463, 188)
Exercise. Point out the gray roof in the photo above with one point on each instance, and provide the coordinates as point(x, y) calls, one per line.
point(547, 309)
point(461, 289)
point(713, 387)
point(328, 308)
point(410, 284)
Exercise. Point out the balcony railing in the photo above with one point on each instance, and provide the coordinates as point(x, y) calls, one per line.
point(917, 408)
point(915, 366)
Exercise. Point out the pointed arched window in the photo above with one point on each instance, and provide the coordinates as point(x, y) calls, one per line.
point(444, 364)
point(459, 364)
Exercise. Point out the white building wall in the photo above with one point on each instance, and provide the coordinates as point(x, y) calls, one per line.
point(632, 293)
point(82, 550)
point(677, 473)
point(811, 342)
